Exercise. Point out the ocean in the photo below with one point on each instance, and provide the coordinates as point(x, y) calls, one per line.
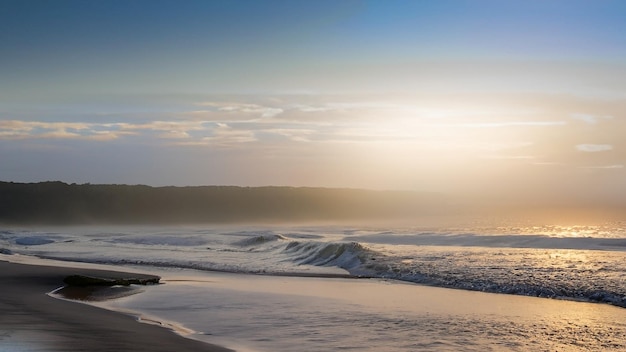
point(327, 288)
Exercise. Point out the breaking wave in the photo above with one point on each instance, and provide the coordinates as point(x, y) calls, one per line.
point(561, 274)
point(586, 269)
point(349, 256)
point(259, 240)
point(169, 240)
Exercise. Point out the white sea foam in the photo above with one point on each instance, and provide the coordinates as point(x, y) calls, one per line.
point(577, 263)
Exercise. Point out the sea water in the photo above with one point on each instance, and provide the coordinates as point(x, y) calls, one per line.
point(291, 290)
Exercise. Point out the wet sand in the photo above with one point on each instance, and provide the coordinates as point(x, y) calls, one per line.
point(269, 313)
point(30, 320)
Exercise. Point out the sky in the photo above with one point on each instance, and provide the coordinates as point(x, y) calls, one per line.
point(501, 99)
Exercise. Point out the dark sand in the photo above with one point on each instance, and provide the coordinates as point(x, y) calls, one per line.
point(30, 320)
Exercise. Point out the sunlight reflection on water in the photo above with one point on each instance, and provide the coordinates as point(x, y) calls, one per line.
point(275, 314)
point(613, 230)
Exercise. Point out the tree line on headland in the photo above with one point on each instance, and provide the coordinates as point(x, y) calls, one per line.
point(61, 203)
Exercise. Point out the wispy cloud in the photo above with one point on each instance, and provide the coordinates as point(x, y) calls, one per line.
point(16, 129)
point(165, 129)
point(223, 136)
point(510, 124)
point(604, 167)
point(294, 134)
point(549, 163)
point(246, 108)
point(593, 148)
point(510, 157)
point(371, 123)
point(589, 118)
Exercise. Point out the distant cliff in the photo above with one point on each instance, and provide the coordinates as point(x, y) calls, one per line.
point(61, 203)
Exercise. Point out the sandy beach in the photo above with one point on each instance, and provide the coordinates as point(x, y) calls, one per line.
point(30, 320)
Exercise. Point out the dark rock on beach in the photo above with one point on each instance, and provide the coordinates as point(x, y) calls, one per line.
point(82, 281)
point(30, 320)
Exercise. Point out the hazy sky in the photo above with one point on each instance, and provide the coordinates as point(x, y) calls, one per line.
point(511, 98)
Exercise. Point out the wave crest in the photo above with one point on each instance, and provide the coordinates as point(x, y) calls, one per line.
point(345, 255)
point(258, 240)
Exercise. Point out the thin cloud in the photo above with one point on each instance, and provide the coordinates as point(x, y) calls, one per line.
point(173, 129)
point(605, 167)
point(175, 135)
point(594, 148)
point(549, 163)
point(294, 134)
point(226, 136)
point(16, 129)
point(286, 122)
point(510, 124)
point(246, 108)
point(590, 119)
point(510, 157)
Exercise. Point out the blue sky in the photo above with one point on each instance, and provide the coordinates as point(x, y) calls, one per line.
point(172, 47)
point(458, 96)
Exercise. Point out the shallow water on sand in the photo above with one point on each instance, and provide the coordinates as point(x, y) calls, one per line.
point(264, 313)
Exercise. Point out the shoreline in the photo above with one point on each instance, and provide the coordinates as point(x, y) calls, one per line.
point(336, 312)
point(33, 320)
